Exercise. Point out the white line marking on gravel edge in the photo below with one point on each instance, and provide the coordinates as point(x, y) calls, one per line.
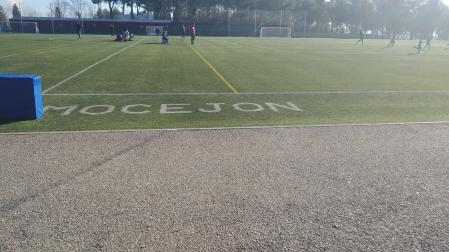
point(227, 128)
point(89, 67)
point(259, 93)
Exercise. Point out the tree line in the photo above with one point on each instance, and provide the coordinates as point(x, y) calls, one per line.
point(417, 17)
point(3, 16)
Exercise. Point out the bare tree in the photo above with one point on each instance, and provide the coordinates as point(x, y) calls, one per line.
point(3, 16)
point(51, 9)
point(111, 4)
point(77, 7)
point(16, 11)
point(30, 12)
point(8, 9)
point(91, 10)
point(61, 5)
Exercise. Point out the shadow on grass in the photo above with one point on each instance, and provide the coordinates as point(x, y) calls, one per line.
point(11, 121)
point(5, 122)
point(152, 43)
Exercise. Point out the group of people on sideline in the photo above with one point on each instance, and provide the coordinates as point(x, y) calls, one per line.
point(127, 36)
point(165, 39)
point(192, 33)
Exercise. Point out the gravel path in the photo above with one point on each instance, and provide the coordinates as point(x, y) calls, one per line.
point(359, 188)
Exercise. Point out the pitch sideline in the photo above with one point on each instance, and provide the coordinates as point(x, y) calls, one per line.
point(260, 93)
point(227, 128)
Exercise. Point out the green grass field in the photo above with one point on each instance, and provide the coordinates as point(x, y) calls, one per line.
point(309, 81)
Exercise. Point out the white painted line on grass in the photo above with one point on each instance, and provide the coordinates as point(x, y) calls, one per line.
point(88, 68)
point(141, 94)
point(260, 93)
point(228, 128)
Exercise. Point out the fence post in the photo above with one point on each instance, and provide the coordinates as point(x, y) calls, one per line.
point(255, 22)
point(280, 22)
point(82, 26)
point(186, 13)
point(305, 23)
point(21, 17)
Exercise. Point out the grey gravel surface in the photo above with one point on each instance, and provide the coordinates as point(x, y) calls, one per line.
point(349, 188)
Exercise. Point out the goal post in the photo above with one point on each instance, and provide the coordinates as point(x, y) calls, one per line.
point(280, 23)
point(154, 30)
point(275, 32)
point(18, 27)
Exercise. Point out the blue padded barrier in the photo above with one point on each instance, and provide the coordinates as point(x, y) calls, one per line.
point(20, 97)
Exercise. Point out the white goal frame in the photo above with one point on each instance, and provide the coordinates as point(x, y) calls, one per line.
point(277, 32)
point(18, 27)
point(151, 30)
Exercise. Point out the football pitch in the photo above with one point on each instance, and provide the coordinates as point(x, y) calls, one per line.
point(98, 84)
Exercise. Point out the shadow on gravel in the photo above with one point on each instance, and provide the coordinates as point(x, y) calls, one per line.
point(5, 122)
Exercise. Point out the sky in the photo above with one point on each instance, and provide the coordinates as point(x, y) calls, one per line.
point(41, 6)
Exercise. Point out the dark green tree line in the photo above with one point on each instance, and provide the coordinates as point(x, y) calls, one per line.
point(418, 17)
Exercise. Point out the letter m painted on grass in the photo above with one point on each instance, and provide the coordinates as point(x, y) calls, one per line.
point(67, 110)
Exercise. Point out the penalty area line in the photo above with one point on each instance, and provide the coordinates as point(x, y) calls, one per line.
point(89, 67)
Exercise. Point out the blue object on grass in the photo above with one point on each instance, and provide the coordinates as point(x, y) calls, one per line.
point(20, 97)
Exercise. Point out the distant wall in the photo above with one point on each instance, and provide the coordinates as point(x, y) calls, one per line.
point(91, 26)
point(250, 31)
point(215, 30)
point(102, 26)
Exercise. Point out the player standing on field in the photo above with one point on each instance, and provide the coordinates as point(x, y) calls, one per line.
point(419, 46)
point(78, 30)
point(392, 41)
point(193, 34)
point(165, 36)
point(362, 36)
point(183, 31)
point(111, 30)
point(428, 43)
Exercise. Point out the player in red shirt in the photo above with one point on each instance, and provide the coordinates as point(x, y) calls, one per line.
point(193, 34)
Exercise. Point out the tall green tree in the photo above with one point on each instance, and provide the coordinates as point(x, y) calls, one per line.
point(123, 6)
point(360, 14)
point(339, 12)
point(161, 9)
point(130, 4)
point(428, 16)
point(111, 5)
point(16, 11)
point(379, 16)
point(97, 2)
point(58, 12)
